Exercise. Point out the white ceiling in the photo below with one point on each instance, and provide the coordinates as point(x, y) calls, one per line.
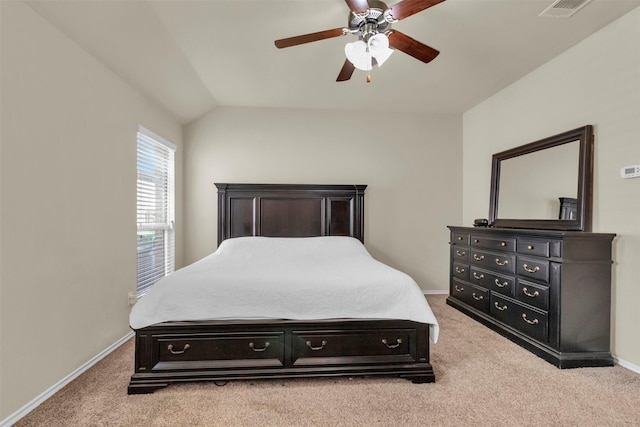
point(191, 56)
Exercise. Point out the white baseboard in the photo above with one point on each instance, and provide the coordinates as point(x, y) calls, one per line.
point(20, 413)
point(627, 365)
point(436, 292)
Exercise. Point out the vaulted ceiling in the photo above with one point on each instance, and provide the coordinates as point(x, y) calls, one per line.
point(190, 56)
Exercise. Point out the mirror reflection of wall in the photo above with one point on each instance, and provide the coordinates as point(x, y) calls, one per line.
point(531, 185)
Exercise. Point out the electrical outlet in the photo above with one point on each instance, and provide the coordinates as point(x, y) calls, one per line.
point(133, 298)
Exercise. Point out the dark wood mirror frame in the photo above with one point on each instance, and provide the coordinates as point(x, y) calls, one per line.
point(582, 222)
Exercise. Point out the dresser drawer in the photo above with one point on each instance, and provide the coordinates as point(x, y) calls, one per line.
point(219, 350)
point(474, 296)
point(508, 245)
point(461, 271)
point(533, 247)
point(460, 239)
point(349, 347)
point(533, 294)
point(493, 282)
point(533, 268)
point(494, 261)
point(528, 320)
point(460, 254)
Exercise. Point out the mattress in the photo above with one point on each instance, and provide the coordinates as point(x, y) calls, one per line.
point(309, 278)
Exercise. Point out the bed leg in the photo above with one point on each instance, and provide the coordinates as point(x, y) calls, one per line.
point(421, 379)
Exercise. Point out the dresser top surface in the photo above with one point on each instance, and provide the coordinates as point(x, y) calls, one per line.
point(532, 232)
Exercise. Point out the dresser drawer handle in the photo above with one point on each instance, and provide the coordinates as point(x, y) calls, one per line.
point(533, 295)
point(459, 270)
point(461, 253)
point(530, 247)
point(478, 276)
point(503, 308)
point(396, 345)
point(460, 238)
point(531, 322)
point(458, 289)
point(478, 258)
point(503, 263)
point(501, 285)
point(531, 270)
point(503, 244)
point(477, 298)
point(476, 241)
point(170, 348)
point(253, 347)
point(316, 348)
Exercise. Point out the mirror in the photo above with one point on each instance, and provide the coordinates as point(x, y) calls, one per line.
point(545, 184)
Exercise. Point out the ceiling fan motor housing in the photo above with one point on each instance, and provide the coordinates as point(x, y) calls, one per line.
point(370, 23)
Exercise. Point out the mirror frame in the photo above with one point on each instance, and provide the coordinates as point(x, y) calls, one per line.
point(585, 182)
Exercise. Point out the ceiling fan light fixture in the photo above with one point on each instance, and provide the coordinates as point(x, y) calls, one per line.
point(361, 53)
point(379, 48)
point(357, 53)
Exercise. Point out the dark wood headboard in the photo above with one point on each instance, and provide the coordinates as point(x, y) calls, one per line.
point(290, 210)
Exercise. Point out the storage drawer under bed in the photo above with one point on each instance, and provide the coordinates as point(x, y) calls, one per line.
point(353, 347)
point(214, 351)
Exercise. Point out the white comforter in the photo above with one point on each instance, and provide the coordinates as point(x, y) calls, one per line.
point(285, 278)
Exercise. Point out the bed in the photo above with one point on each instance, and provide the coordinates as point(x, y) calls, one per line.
point(316, 317)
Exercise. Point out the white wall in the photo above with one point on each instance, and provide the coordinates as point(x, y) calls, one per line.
point(68, 175)
point(411, 164)
point(596, 82)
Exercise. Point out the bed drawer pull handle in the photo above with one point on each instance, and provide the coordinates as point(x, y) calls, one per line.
point(458, 289)
point(461, 253)
point(501, 285)
point(503, 308)
point(316, 348)
point(170, 348)
point(477, 298)
point(478, 258)
point(531, 270)
point(506, 261)
point(396, 345)
point(478, 276)
point(253, 346)
point(531, 322)
point(459, 270)
point(533, 295)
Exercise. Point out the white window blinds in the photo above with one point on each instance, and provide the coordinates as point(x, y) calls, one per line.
point(155, 208)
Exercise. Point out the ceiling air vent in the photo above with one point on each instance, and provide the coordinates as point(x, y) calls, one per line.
point(564, 8)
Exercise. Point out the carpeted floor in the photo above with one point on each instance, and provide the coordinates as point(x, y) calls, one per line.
point(482, 379)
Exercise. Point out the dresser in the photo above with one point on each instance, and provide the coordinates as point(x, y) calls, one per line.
point(548, 291)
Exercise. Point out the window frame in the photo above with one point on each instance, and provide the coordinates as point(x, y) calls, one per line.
point(160, 162)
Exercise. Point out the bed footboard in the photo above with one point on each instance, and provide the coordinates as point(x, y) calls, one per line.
point(176, 352)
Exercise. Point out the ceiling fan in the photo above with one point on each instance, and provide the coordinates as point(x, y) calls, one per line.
point(371, 21)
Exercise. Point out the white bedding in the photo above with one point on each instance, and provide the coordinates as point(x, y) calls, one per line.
point(285, 278)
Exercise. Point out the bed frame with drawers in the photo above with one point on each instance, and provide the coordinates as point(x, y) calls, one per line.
point(173, 352)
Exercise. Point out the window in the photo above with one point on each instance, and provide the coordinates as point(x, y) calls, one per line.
point(155, 208)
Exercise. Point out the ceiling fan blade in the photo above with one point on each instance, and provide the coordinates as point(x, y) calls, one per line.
point(358, 6)
point(410, 46)
point(409, 7)
point(308, 38)
point(346, 72)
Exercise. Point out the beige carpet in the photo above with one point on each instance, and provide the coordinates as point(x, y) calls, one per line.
point(481, 379)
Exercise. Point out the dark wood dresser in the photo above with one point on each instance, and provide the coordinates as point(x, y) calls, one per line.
point(548, 291)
